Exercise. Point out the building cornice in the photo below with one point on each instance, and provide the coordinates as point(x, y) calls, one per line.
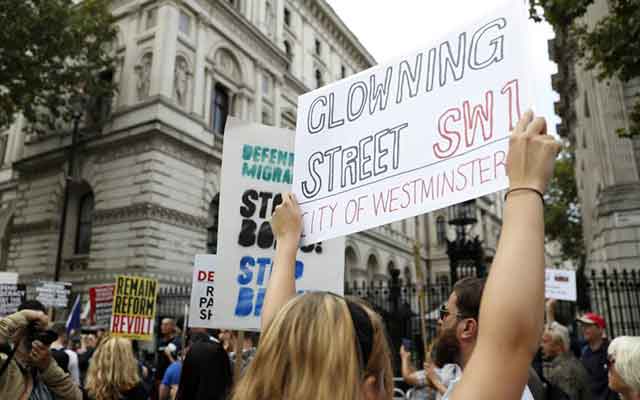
point(149, 211)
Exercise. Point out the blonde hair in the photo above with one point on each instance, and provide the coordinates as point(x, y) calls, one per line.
point(309, 351)
point(625, 350)
point(113, 369)
point(560, 335)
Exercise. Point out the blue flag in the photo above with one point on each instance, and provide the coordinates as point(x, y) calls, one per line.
point(73, 322)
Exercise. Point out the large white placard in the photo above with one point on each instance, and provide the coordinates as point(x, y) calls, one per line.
point(560, 284)
point(201, 311)
point(257, 167)
point(424, 132)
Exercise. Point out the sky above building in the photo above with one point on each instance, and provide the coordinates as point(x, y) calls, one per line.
point(390, 29)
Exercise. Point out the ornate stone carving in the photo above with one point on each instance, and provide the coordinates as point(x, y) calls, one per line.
point(147, 211)
point(228, 64)
point(181, 81)
point(143, 75)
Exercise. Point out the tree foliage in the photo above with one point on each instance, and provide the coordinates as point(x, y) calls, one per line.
point(50, 51)
point(563, 218)
point(611, 47)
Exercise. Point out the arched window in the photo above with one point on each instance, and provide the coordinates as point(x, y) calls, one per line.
point(319, 80)
point(212, 225)
point(85, 224)
point(220, 107)
point(441, 230)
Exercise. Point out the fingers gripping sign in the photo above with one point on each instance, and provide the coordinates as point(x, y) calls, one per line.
point(287, 219)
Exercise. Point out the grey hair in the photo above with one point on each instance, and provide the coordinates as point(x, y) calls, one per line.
point(625, 350)
point(559, 334)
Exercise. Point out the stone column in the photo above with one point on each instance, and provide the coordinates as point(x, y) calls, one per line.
point(258, 91)
point(279, 4)
point(277, 101)
point(128, 85)
point(164, 55)
point(207, 95)
point(199, 73)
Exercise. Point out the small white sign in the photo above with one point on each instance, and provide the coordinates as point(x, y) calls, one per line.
point(421, 133)
point(202, 309)
point(10, 278)
point(560, 284)
point(53, 294)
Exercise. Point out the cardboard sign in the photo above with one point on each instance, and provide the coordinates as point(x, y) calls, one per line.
point(560, 284)
point(53, 294)
point(134, 307)
point(257, 167)
point(11, 296)
point(421, 133)
point(201, 311)
point(100, 305)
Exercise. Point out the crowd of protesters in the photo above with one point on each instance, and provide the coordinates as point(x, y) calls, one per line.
point(495, 340)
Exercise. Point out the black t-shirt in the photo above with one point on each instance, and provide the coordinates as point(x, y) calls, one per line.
point(595, 362)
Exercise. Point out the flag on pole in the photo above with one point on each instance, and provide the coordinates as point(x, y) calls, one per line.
point(73, 322)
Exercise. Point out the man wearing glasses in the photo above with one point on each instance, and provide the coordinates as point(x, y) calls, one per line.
point(458, 334)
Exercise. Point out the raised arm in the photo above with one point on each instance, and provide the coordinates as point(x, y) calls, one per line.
point(287, 227)
point(512, 309)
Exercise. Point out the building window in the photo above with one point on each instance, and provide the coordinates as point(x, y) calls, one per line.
point(288, 52)
point(220, 106)
point(318, 48)
point(587, 110)
point(319, 80)
point(266, 118)
point(441, 230)
point(234, 3)
point(266, 85)
point(85, 224)
point(287, 17)
point(185, 23)
point(212, 225)
point(4, 139)
point(152, 18)
point(343, 72)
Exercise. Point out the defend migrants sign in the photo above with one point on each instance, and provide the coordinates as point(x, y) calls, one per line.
point(424, 132)
point(134, 307)
point(257, 167)
point(560, 284)
point(100, 305)
point(201, 311)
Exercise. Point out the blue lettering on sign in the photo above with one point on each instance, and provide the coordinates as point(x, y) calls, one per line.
point(250, 300)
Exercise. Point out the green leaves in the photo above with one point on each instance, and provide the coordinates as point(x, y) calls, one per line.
point(51, 50)
point(611, 47)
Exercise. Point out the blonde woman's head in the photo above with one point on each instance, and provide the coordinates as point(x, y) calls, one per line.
point(113, 369)
point(624, 361)
point(321, 346)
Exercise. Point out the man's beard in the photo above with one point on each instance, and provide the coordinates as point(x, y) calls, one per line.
point(446, 349)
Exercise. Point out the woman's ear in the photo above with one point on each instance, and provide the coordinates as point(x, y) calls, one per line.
point(371, 388)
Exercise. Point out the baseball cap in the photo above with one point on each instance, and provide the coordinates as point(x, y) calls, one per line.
point(592, 319)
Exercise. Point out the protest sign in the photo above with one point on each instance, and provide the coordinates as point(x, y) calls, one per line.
point(100, 305)
point(421, 133)
point(201, 311)
point(53, 294)
point(134, 307)
point(11, 296)
point(257, 167)
point(560, 284)
point(10, 278)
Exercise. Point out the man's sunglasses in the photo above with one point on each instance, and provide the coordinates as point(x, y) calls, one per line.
point(444, 313)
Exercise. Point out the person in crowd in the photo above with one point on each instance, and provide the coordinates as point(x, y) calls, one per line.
point(436, 379)
point(113, 372)
point(206, 371)
point(624, 367)
point(561, 368)
point(322, 346)
point(28, 370)
point(170, 340)
point(594, 355)
point(89, 344)
point(226, 339)
point(171, 379)
point(248, 351)
point(61, 345)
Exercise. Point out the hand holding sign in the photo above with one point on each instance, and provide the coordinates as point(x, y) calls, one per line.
point(287, 219)
point(531, 156)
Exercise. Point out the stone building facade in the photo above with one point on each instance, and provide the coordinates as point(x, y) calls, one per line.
point(145, 188)
point(607, 166)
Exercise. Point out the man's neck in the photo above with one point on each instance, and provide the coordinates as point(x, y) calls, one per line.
point(57, 345)
point(596, 344)
point(465, 355)
point(168, 337)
